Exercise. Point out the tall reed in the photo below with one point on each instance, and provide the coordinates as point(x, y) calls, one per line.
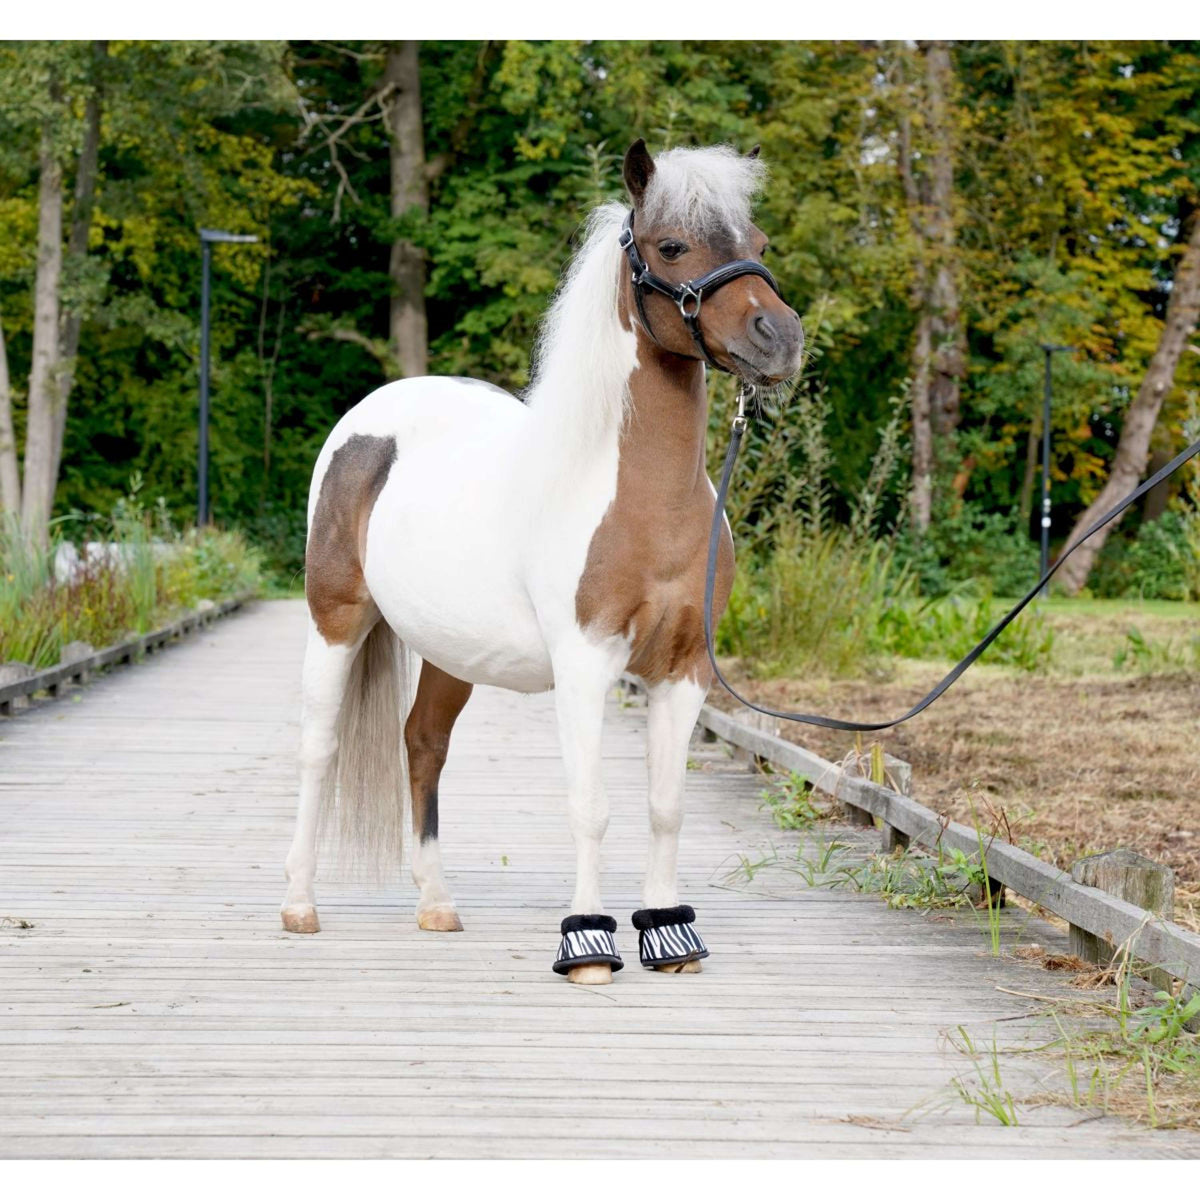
point(143, 572)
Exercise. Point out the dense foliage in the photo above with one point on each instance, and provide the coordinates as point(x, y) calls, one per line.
point(1077, 166)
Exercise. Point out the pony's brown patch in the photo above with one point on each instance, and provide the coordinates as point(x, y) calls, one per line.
point(337, 541)
point(644, 575)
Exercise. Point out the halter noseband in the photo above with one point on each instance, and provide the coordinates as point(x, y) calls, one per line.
point(689, 295)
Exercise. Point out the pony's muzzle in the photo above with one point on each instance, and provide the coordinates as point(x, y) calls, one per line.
point(772, 347)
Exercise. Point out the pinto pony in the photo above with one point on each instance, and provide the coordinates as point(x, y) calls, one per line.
point(549, 543)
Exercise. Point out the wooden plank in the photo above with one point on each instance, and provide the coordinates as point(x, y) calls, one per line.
point(452, 1144)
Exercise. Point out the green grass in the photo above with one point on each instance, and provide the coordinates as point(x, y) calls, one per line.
point(1089, 606)
point(1133, 1056)
point(912, 879)
point(985, 1092)
point(790, 801)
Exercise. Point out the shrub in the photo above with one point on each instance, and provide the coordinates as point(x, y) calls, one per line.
point(972, 546)
point(811, 592)
point(1158, 562)
point(819, 597)
point(948, 627)
point(815, 605)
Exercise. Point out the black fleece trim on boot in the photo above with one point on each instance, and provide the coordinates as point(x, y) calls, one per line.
point(656, 918)
point(578, 921)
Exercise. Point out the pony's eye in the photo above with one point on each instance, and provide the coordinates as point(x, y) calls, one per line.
point(672, 250)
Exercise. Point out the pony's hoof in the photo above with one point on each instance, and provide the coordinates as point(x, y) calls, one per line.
point(301, 919)
point(439, 920)
point(683, 968)
point(591, 973)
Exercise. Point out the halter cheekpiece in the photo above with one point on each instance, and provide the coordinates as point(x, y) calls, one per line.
point(689, 295)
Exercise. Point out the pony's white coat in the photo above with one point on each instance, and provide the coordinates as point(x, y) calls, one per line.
point(477, 541)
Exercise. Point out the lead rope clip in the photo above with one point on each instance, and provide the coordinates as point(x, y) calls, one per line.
point(741, 420)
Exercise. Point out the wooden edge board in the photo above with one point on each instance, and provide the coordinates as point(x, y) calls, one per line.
point(125, 651)
point(1157, 941)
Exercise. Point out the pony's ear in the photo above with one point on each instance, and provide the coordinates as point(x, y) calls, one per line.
point(753, 152)
point(639, 168)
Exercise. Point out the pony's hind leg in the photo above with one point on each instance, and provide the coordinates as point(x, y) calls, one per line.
point(326, 670)
point(439, 700)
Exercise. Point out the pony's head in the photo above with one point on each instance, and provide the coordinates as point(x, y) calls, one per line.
point(691, 216)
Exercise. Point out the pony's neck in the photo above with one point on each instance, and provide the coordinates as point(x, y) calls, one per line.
point(664, 436)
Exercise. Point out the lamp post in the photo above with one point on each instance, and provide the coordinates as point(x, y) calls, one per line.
point(207, 237)
point(1049, 351)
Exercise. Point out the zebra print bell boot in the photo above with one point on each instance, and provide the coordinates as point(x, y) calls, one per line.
point(667, 936)
point(587, 939)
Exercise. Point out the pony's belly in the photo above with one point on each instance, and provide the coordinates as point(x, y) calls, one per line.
point(447, 598)
point(477, 651)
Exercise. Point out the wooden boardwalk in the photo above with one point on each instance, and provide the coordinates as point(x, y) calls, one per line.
point(156, 1008)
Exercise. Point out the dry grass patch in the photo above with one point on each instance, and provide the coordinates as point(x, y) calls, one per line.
point(1080, 759)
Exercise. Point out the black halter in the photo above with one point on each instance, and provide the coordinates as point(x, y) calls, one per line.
point(689, 295)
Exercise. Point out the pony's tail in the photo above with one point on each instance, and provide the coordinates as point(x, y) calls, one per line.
point(371, 777)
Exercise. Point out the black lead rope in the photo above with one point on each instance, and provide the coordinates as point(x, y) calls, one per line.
point(739, 428)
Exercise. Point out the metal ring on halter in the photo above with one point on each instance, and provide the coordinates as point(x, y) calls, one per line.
point(686, 293)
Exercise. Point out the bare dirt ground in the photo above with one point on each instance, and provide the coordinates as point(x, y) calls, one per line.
point(1081, 758)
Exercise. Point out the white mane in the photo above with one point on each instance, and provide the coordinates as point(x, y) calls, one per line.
point(584, 355)
point(702, 190)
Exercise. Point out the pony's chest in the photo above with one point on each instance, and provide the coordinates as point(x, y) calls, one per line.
point(644, 580)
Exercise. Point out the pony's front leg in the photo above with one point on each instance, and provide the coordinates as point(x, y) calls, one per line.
point(583, 674)
point(667, 939)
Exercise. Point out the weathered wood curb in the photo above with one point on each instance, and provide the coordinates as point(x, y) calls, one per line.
point(1156, 941)
point(52, 678)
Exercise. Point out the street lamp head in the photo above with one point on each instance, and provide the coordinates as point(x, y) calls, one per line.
point(1049, 349)
point(219, 235)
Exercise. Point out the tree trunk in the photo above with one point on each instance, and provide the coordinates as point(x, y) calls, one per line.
point(921, 502)
point(77, 244)
point(407, 329)
point(939, 347)
point(44, 375)
point(10, 471)
point(1133, 448)
point(948, 366)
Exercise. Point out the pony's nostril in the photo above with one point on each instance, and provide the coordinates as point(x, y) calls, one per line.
point(766, 335)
